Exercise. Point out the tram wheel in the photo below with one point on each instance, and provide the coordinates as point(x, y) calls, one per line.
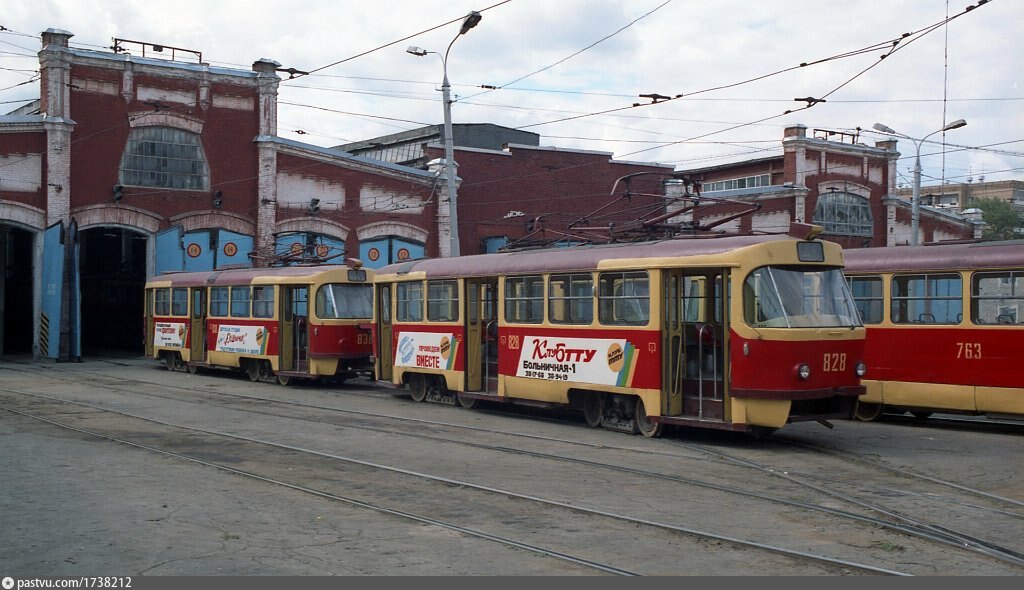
point(418, 387)
point(252, 369)
point(920, 414)
point(192, 368)
point(283, 380)
point(867, 412)
point(593, 408)
point(467, 402)
point(170, 360)
point(643, 423)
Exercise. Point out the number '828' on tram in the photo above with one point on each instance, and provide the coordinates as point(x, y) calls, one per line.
point(742, 333)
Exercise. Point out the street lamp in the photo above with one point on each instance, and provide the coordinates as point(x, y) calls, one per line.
point(471, 20)
point(915, 199)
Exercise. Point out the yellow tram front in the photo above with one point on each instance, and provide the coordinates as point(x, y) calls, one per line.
point(741, 333)
point(273, 323)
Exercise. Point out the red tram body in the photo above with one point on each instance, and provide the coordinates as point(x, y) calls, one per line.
point(945, 324)
point(284, 323)
point(690, 332)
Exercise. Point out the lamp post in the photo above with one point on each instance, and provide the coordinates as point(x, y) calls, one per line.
point(915, 198)
point(471, 20)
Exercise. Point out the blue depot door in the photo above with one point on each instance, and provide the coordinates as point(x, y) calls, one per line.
point(206, 250)
point(170, 256)
point(378, 252)
point(53, 287)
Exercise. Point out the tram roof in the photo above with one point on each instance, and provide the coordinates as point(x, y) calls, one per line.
point(575, 257)
point(1008, 254)
point(245, 276)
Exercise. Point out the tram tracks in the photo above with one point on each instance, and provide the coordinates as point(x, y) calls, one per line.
point(904, 525)
point(831, 565)
point(904, 522)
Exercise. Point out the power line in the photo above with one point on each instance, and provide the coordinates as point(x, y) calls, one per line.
point(893, 45)
point(395, 42)
point(567, 58)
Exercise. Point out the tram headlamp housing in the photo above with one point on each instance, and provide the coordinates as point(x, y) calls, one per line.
point(802, 371)
point(862, 369)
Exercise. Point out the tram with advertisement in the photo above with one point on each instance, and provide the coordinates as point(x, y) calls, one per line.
point(945, 324)
point(741, 333)
point(283, 323)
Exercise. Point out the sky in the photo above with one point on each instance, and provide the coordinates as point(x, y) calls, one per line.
point(571, 70)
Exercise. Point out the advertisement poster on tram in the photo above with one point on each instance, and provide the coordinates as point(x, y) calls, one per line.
point(584, 360)
point(242, 339)
point(426, 350)
point(169, 334)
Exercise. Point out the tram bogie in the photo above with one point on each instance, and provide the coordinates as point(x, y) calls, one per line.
point(272, 324)
point(744, 333)
point(943, 325)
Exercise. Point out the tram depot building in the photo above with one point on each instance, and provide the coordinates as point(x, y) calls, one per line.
point(128, 167)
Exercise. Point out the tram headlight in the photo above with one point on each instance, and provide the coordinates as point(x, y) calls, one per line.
point(861, 369)
point(802, 371)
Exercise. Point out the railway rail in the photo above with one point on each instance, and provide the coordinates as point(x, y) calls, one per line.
point(896, 522)
point(836, 565)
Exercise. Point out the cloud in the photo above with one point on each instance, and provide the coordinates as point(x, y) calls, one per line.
point(966, 70)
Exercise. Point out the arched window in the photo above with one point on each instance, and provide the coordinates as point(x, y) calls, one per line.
point(843, 214)
point(164, 157)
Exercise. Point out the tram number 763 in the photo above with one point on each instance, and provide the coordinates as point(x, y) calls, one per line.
point(834, 362)
point(968, 350)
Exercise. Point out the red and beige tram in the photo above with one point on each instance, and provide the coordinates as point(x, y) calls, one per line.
point(285, 322)
point(742, 333)
point(945, 325)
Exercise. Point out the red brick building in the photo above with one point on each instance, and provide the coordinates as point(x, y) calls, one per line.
point(129, 166)
point(829, 179)
point(539, 194)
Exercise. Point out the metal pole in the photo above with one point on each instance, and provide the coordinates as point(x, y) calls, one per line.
point(449, 162)
point(471, 20)
point(915, 199)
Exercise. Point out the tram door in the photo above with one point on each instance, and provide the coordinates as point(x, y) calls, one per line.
point(197, 326)
point(694, 333)
point(481, 335)
point(385, 354)
point(294, 328)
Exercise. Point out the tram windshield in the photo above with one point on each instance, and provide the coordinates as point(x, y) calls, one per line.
point(344, 301)
point(798, 297)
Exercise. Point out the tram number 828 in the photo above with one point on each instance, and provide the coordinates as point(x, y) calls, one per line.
point(834, 362)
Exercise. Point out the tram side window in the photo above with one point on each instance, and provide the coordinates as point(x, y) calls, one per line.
point(443, 301)
point(162, 302)
point(624, 299)
point(695, 299)
point(571, 299)
point(385, 304)
point(997, 297)
point(524, 300)
point(409, 297)
point(263, 301)
point(240, 297)
point(179, 302)
point(219, 302)
point(927, 299)
point(867, 295)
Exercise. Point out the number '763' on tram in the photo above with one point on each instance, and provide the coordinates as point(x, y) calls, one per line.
point(945, 324)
